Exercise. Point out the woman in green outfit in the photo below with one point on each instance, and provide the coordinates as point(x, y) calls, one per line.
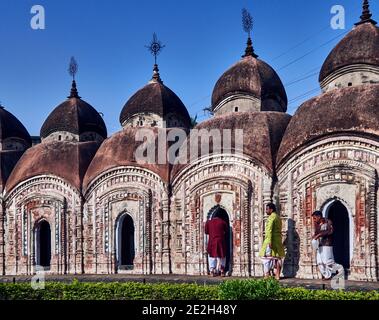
point(272, 250)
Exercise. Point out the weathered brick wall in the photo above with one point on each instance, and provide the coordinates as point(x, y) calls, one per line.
point(339, 168)
point(42, 199)
point(169, 231)
point(238, 186)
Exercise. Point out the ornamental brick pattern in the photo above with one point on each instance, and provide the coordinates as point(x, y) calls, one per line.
point(87, 206)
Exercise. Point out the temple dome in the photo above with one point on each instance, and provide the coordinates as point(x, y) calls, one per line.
point(153, 104)
point(75, 117)
point(64, 159)
point(12, 128)
point(355, 59)
point(120, 150)
point(252, 77)
point(360, 46)
point(155, 98)
point(14, 140)
point(352, 110)
point(262, 134)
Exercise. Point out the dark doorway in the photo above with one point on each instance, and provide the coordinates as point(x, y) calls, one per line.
point(221, 213)
point(43, 244)
point(339, 216)
point(127, 241)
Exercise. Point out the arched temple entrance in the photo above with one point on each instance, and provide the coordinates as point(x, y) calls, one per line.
point(339, 216)
point(221, 213)
point(43, 244)
point(125, 243)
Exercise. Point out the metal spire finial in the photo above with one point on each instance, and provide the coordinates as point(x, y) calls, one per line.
point(73, 70)
point(247, 24)
point(155, 47)
point(366, 14)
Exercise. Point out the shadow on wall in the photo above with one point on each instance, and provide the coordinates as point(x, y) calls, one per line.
point(292, 246)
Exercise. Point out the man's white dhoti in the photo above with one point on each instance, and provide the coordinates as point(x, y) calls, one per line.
point(268, 265)
point(326, 263)
point(216, 263)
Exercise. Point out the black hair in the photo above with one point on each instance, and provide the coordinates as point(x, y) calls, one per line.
point(317, 213)
point(219, 213)
point(271, 206)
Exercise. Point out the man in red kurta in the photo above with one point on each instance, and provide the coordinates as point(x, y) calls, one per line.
point(216, 229)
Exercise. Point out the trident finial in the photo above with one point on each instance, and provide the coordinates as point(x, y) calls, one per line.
point(247, 24)
point(73, 70)
point(155, 49)
point(247, 21)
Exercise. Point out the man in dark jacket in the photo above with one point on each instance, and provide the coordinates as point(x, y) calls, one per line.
point(324, 235)
point(217, 229)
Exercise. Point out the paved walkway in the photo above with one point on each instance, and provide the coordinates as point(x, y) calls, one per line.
point(290, 282)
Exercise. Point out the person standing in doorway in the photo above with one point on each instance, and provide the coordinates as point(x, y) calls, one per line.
point(323, 241)
point(272, 251)
point(217, 229)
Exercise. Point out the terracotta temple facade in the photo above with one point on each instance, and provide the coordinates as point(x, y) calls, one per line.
point(79, 202)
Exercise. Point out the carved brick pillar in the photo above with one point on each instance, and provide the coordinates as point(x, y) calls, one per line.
point(25, 251)
point(302, 231)
point(32, 243)
point(191, 240)
point(247, 229)
point(149, 233)
point(11, 253)
point(308, 266)
point(166, 237)
point(266, 198)
point(373, 274)
point(177, 236)
point(63, 215)
point(2, 238)
point(89, 264)
point(17, 233)
point(79, 241)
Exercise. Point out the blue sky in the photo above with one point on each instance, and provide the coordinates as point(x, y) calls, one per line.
point(203, 39)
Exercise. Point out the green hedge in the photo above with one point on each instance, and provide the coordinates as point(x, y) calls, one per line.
point(108, 291)
point(229, 290)
point(249, 290)
point(304, 294)
point(271, 290)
